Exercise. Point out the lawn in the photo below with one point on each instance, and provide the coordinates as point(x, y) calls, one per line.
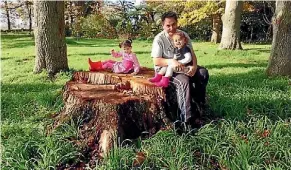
point(249, 113)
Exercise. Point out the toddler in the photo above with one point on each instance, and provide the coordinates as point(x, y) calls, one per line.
point(182, 54)
point(129, 60)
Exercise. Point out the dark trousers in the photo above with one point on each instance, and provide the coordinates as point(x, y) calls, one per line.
point(191, 93)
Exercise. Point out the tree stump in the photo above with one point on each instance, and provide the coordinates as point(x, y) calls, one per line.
point(113, 107)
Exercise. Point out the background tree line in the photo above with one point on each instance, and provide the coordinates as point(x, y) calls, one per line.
point(121, 19)
point(228, 22)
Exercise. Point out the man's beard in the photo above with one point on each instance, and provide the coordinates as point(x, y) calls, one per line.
point(171, 32)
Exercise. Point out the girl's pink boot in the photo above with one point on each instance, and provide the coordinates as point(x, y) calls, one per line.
point(155, 79)
point(164, 82)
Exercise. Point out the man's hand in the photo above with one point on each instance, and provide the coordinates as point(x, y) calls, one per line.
point(192, 71)
point(174, 63)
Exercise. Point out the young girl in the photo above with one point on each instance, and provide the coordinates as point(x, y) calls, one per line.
point(129, 60)
point(182, 54)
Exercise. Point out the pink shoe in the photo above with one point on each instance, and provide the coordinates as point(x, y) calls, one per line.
point(164, 82)
point(155, 79)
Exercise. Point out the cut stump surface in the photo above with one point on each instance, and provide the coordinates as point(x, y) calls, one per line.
point(112, 107)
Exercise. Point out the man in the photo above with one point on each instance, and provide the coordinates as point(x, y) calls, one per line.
point(190, 86)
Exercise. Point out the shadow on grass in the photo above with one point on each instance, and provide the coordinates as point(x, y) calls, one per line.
point(142, 52)
point(19, 44)
point(263, 50)
point(15, 36)
point(237, 96)
point(93, 54)
point(91, 42)
point(17, 41)
point(22, 41)
point(245, 65)
point(24, 99)
point(28, 58)
point(4, 58)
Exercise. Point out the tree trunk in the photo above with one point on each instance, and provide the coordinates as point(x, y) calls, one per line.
point(231, 25)
point(50, 45)
point(8, 16)
point(280, 58)
point(216, 26)
point(28, 5)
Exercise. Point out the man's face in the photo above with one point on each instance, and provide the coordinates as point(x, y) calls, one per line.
point(170, 26)
point(179, 41)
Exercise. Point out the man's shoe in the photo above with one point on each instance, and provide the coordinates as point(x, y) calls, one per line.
point(178, 127)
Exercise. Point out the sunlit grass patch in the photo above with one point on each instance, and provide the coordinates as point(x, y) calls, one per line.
point(252, 130)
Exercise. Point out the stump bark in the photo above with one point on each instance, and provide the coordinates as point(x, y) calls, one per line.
point(113, 107)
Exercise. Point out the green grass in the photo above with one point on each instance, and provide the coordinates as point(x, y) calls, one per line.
point(247, 102)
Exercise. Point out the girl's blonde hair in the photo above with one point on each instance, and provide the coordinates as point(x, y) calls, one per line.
point(181, 34)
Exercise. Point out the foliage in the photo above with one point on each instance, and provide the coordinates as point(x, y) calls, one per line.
point(143, 21)
point(199, 31)
point(147, 31)
point(196, 17)
point(195, 11)
point(125, 29)
point(77, 9)
point(256, 21)
point(94, 26)
point(9, 12)
point(25, 9)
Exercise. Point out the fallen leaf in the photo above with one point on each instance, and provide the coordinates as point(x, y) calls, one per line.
point(139, 159)
point(266, 133)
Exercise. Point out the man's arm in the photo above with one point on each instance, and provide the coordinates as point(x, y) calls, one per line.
point(158, 61)
point(194, 59)
point(192, 69)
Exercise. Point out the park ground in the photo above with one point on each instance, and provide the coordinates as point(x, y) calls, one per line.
point(248, 116)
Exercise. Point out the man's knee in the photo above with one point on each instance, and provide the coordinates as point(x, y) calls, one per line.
point(181, 80)
point(203, 74)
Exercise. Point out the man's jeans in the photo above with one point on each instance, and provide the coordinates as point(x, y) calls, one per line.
point(191, 93)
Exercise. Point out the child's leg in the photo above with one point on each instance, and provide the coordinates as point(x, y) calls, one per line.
point(111, 61)
point(108, 64)
point(158, 75)
point(166, 79)
point(163, 71)
point(169, 71)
